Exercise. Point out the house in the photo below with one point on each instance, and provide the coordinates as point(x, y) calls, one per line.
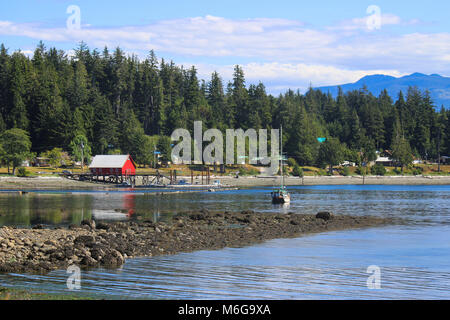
point(113, 165)
point(385, 161)
point(25, 163)
point(445, 159)
point(41, 162)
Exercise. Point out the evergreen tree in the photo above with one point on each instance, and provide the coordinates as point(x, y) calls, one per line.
point(17, 115)
point(401, 150)
point(115, 101)
point(216, 99)
point(15, 145)
point(331, 153)
point(239, 99)
point(80, 149)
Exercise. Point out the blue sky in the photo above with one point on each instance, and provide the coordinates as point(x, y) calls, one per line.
point(284, 43)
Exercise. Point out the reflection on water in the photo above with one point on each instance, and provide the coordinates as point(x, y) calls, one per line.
point(413, 257)
point(324, 266)
point(72, 207)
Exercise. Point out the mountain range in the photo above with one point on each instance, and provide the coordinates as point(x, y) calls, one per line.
point(438, 86)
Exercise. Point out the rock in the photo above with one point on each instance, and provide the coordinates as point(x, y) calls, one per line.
point(103, 226)
point(85, 240)
point(38, 227)
point(180, 224)
point(68, 251)
point(58, 255)
point(243, 219)
point(88, 261)
point(324, 215)
point(48, 249)
point(51, 243)
point(197, 216)
point(97, 253)
point(90, 223)
point(113, 258)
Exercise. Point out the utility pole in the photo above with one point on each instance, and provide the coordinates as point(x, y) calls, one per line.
point(439, 149)
point(154, 156)
point(82, 157)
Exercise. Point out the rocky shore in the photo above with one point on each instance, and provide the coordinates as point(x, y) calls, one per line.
point(93, 245)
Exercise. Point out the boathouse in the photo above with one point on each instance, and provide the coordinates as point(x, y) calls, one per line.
point(113, 165)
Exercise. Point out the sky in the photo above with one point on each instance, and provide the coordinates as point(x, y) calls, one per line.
point(283, 43)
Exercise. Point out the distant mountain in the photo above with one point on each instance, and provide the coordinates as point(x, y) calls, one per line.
point(438, 86)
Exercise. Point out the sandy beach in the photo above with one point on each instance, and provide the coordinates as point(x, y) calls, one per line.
point(14, 183)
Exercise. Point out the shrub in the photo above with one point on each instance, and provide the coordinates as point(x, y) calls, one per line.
point(297, 171)
point(361, 171)
point(417, 171)
point(378, 170)
point(346, 171)
point(248, 171)
point(22, 172)
point(292, 163)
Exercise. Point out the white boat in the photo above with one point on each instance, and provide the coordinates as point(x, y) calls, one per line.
point(281, 195)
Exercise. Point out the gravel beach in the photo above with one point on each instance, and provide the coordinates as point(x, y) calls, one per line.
point(93, 245)
point(8, 183)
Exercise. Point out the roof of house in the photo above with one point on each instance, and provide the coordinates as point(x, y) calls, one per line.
point(109, 161)
point(383, 159)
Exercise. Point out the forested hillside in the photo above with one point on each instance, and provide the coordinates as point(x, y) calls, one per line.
point(117, 102)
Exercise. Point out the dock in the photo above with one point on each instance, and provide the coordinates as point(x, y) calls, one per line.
point(169, 180)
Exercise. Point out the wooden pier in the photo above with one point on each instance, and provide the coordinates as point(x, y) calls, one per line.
point(156, 179)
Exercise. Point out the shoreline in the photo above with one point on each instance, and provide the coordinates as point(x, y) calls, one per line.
point(45, 183)
point(338, 180)
point(108, 245)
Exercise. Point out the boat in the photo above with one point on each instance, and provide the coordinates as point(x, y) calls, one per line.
point(281, 195)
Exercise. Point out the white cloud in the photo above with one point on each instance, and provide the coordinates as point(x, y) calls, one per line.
point(360, 24)
point(283, 51)
point(282, 76)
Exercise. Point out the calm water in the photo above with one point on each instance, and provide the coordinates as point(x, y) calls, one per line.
point(414, 258)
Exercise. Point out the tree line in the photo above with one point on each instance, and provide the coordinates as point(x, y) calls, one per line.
point(118, 103)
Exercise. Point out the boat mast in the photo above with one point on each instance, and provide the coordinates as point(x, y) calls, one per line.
point(281, 158)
